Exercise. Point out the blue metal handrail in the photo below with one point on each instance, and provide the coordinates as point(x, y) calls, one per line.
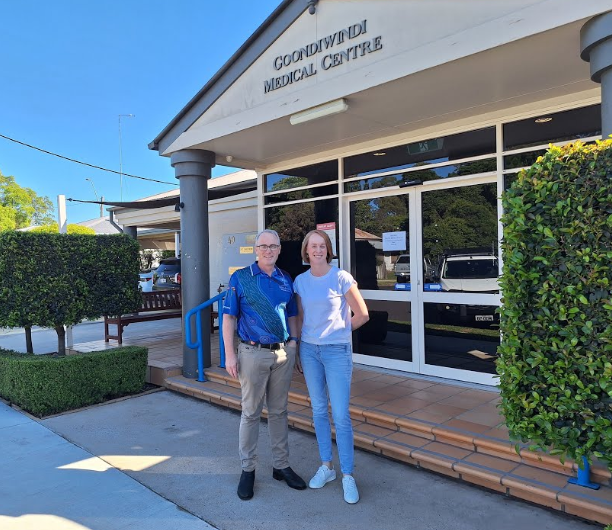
point(197, 311)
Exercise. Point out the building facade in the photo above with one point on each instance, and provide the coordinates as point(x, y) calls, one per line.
point(395, 126)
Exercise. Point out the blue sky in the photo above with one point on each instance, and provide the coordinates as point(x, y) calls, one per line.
point(70, 67)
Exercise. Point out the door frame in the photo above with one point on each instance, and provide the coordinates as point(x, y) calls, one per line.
point(416, 296)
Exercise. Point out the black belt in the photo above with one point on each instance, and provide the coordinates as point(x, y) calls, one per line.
point(273, 346)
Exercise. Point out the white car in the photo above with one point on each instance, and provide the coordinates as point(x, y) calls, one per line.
point(474, 271)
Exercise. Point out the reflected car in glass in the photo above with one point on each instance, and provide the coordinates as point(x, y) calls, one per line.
point(469, 271)
point(168, 275)
point(402, 268)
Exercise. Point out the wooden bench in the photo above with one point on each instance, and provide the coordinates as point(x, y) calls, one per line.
point(156, 305)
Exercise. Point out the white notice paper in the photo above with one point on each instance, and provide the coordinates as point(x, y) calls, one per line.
point(394, 241)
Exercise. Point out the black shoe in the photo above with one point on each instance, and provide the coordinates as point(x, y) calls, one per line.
point(292, 479)
point(245, 486)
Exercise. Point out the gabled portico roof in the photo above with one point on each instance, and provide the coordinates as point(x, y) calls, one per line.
point(473, 58)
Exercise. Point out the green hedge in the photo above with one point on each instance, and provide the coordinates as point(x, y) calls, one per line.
point(44, 385)
point(555, 361)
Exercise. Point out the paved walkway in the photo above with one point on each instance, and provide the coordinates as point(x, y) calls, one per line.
point(186, 451)
point(48, 483)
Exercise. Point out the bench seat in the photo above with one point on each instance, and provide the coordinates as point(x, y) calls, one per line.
point(155, 305)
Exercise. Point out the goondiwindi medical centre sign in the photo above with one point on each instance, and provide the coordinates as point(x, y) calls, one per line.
point(329, 60)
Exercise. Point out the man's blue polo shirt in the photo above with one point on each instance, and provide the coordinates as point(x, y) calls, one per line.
point(276, 294)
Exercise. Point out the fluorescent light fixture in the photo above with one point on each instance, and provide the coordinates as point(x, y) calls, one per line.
point(327, 109)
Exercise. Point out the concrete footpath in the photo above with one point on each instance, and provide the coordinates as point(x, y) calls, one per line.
point(165, 461)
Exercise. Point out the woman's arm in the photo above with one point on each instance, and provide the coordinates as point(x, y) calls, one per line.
point(358, 307)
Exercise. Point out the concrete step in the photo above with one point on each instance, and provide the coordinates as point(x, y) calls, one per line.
point(483, 461)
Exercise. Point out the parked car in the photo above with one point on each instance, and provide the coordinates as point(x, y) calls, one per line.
point(168, 275)
point(469, 271)
point(145, 281)
point(402, 268)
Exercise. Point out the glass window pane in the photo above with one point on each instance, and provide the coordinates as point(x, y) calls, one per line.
point(301, 176)
point(522, 159)
point(556, 127)
point(465, 337)
point(413, 177)
point(293, 222)
point(431, 151)
point(374, 268)
point(460, 238)
point(388, 333)
point(309, 193)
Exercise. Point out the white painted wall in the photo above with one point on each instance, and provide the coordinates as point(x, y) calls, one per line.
point(415, 34)
point(228, 216)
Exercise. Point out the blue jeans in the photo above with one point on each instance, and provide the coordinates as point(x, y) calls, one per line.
point(328, 369)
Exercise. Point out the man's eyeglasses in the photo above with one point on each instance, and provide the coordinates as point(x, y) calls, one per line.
point(265, 248)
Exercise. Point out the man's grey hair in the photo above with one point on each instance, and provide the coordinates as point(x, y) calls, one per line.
point(268, 231)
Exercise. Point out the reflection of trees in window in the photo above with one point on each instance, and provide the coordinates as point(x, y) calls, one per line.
point(522, 159)
point(292, 222)
point(386, 214)
point(463, 217)
point(289, 182)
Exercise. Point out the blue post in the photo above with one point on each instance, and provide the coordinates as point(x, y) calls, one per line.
point(221, 341)
point(199, 344)
point(584, 474)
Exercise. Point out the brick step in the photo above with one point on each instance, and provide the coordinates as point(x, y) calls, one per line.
point(533, 480)
point(486, 445)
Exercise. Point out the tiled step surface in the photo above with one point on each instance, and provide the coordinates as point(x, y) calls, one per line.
point(485, 461)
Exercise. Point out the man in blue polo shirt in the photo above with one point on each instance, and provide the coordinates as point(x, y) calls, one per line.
point(261, 299)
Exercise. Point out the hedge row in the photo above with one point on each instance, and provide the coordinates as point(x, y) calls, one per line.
point(44, 385)
point(53, 280)
point(555, 361)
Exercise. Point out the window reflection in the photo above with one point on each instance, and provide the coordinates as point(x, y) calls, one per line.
point(431, 151)
point(293, 222)
point(374, 268)
point(443, 172)
point(301, 176)
point(460, 238)
point(465, 337)
point(388, 333)
point(309, 193)
point(556, 127)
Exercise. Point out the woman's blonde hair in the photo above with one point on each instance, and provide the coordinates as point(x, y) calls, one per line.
point(330, 252)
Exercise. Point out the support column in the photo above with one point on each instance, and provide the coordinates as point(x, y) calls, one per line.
point(596, 49)
point(193, 169)
point(131, 231)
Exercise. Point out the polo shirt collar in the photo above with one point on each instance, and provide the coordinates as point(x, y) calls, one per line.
point(255, 270)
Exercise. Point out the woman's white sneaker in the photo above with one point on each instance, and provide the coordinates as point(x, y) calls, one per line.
point(322, 477)
point(351, 495)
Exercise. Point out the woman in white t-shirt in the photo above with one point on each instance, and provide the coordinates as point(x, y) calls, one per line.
point(326, 297)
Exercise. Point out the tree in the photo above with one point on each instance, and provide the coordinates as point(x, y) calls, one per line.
point(53, 228)
point(7, 218)
point(28, 207)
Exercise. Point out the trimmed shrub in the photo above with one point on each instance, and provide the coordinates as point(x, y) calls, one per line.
point(43, 385)
point(57, 280)
point(555, 358)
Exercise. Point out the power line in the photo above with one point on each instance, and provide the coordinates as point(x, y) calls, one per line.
point(85, 163)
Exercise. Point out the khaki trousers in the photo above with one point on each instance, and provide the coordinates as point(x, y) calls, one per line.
point(264, 374)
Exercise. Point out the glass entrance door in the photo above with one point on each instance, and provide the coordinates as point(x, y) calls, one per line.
point(458, 301)
point(426, 263)
point(380, 228)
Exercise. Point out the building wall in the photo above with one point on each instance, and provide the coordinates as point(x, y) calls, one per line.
point(414, 36)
